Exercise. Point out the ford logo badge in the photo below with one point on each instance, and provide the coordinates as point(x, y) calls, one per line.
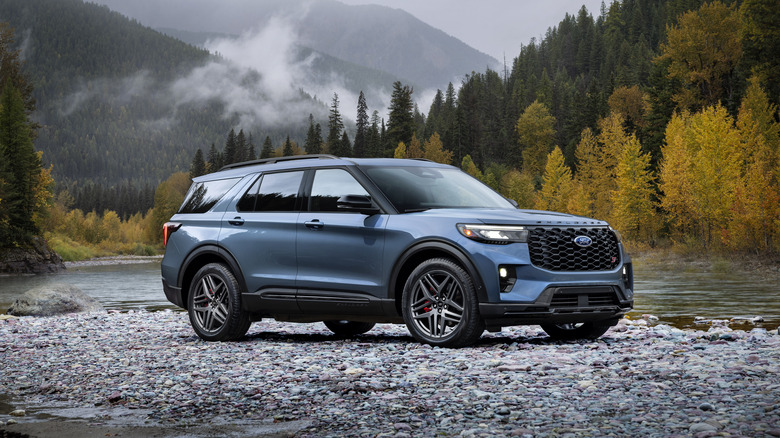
point(583, 241)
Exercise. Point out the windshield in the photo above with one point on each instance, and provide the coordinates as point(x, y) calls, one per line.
point(421, 188)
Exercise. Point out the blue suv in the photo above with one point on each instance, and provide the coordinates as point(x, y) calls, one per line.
point(354, 242)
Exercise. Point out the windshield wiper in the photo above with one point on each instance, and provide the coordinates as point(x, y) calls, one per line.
point(416, 210)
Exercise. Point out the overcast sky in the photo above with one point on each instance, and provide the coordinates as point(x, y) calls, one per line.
point(495, 27)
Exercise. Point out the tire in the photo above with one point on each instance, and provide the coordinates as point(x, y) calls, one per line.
point(439, 305)
point(349, 328)
point(214, 305)
point(578, 331)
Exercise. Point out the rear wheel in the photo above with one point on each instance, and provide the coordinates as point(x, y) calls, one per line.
point(215, 305)
point(349, 328)
point(576, 331)
point(439, 305)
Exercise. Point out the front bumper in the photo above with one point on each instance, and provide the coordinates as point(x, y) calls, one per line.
point(561, 305)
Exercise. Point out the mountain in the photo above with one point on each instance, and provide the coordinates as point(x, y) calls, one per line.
point(121, 102)
point(373, 36)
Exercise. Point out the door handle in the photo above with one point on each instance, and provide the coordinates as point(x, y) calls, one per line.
point(236, 221)
point(314, 224)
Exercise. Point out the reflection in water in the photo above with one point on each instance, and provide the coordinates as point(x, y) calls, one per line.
point(674, 292)
point(679, 292)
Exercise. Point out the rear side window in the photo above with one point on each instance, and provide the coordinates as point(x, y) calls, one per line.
point(273, 192)
point(204, 195)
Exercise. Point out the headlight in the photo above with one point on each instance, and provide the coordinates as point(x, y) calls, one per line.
point(617, 234)
point(494, 233)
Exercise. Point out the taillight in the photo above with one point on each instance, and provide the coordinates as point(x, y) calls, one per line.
point(168, 229)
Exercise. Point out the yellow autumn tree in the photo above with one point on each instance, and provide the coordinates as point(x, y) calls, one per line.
point(415, 149)
point(536, 134)
point(434, 150)
point(702, 51)
point(755, 221)
point(611, 140)
point(519, 187)
point(675, 175)
point(468, 166)
point(634, 211)
point(400, 151)
point(701, 170)
point(589, 171)
point(556, 184)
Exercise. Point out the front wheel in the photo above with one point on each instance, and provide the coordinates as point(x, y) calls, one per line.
point(576, 331)
point(439, 305)
point(349, 328)
point(215, 305)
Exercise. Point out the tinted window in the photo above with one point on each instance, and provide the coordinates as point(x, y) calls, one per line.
point(203, 195)
point(277, 192)
point(248, 201)
point(331, 184)
point(422, 188)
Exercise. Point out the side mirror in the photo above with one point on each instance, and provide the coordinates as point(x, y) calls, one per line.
point(357, 203)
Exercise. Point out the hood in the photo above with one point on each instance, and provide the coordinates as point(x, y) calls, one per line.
point(513, 217)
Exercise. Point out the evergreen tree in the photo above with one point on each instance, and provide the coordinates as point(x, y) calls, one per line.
point(401, 124)
point(335, 126)
point(230, 154)
point(268, 148)
point(313, 144)
point(214, 159)
point(343, 147)
point(251, 153)
point(198, 166)
point(23, 188)
point(361, 135)
point(11, 69)
point(287, 150)
point(241, 147)
point(375, 148)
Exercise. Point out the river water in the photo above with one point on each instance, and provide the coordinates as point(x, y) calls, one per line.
point(674, 292)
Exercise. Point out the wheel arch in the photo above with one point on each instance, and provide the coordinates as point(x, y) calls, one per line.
point(422, 251)
point(202, 256)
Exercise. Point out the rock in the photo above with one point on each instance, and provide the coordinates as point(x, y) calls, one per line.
point(54, 299)
point(702, 427)
point(38, 258)
point(706, 407)
point(18, 413)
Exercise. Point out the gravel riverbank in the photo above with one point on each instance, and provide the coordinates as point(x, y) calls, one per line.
point(146, 373)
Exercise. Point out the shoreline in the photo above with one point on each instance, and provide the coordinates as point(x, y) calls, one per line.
point(143, 373)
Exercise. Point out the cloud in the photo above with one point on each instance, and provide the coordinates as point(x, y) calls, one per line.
point(256, 77)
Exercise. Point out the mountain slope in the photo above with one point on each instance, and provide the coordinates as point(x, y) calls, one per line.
point(391, 40)
point(374, 36)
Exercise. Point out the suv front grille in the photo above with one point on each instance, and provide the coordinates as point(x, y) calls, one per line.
point(554, 249)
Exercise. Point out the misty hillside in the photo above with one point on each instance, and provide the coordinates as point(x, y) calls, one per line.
point(323, 67)
point(373, 36)
point(391, 40)
point(118, 101)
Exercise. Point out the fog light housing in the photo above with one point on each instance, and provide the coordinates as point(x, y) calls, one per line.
point(506, 278)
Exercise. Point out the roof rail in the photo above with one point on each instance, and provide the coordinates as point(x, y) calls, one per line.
point(278, 159)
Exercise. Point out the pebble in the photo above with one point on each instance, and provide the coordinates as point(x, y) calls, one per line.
point(639, 379)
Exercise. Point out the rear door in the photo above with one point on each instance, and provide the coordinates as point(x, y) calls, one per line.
point(260, 233)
